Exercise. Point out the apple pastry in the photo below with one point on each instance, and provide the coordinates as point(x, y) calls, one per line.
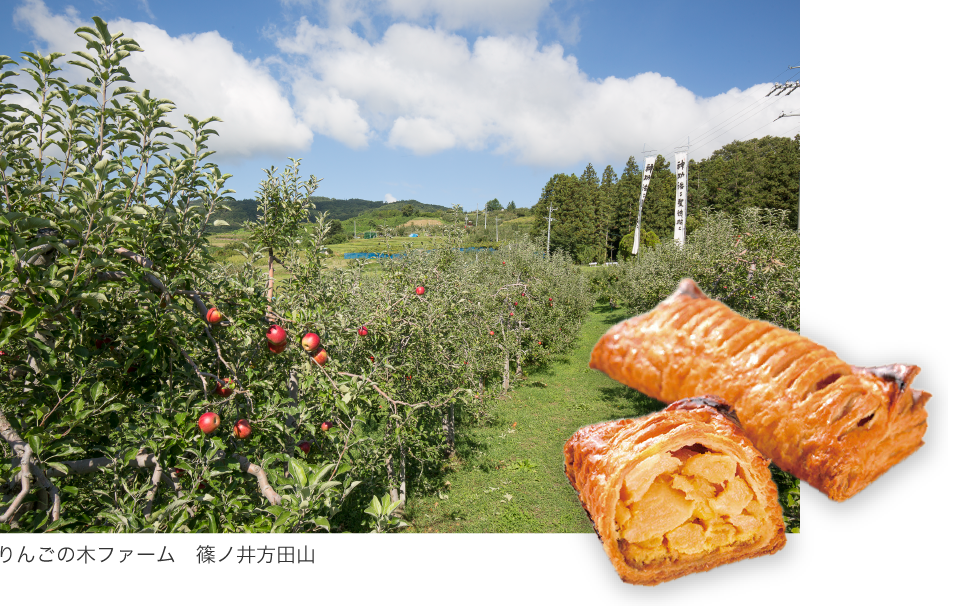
point(836, 426)
point(675, 492)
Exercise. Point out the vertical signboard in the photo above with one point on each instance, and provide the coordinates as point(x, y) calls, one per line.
point(681, 196)
point(646, 178)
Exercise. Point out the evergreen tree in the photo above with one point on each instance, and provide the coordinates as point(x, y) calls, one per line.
point(511, 207)
point(564, 194)
point(592, 230)
point(626, 203)
point(762, 173)
point(493, 205)
point(605, 209)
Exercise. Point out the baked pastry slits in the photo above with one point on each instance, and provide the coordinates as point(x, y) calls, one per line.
point(836, 426)
point(675, 492)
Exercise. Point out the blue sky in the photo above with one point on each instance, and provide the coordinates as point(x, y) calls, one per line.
point(446, 102)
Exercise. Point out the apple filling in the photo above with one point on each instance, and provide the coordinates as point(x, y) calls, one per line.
point(684, 503)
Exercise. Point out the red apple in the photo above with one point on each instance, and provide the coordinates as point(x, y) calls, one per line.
point(276, 335)
point(420, 290)
point(310, 342)
point(276, 348)
point(102, 342)
point(523, 295)
point(321, 357)
point(492, 333)
point(372, 358)
point(208, 422)
point(326, 425)
point(305, 447)
point(225, 390)
point(179, 472)
point(213, 316)
point(242, 429)
point(363, 331)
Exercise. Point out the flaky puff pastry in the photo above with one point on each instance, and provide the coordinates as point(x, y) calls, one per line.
point(675, 492)
point(836, 426)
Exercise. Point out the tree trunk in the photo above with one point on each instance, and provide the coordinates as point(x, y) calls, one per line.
point(449, 428)
point(505, 373)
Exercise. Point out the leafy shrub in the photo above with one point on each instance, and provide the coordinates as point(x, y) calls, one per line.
point(648, 241)
point(750, 263)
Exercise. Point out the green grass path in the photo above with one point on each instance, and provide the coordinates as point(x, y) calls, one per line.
point(508, 475)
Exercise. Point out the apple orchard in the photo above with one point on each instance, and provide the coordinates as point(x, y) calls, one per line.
point(146, 387)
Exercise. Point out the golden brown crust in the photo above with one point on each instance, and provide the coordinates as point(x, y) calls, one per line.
point(836, 426)
point(604, 461)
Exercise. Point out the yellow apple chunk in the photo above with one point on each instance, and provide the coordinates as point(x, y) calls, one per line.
point(712, 467)
point(687, 538)
point(682, 503)
point(660, 510)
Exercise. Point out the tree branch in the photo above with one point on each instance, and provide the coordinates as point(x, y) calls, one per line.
point(24, 485)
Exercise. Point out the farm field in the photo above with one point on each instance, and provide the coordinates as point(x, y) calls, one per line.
point(224, 240)
point(508, 475)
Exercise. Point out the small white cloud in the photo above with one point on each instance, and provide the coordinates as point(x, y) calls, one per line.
point(389, 198)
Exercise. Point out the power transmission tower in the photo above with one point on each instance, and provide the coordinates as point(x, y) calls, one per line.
point(549, 229)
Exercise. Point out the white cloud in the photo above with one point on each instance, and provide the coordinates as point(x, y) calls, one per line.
point(426, 90)
point(422, 88)
point(390, 199)
point(200, 73)
point(499, 16)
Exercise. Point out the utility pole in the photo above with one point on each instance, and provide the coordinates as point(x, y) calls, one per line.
point(549, 229)
point(497, 228)
point(485, 217)
point(791, 87)
point(354, 229)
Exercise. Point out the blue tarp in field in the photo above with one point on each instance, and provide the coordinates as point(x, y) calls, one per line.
point(383, 255)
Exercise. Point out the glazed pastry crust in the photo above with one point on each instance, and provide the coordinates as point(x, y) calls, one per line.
point(836, 426)
point(628, 459)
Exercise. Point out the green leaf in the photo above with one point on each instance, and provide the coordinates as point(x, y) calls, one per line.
point(276, 510)
point(297, 471)
point(34, 441)
point(35, 223)
point(30, 316)
point(97, 390)
point(375, 507)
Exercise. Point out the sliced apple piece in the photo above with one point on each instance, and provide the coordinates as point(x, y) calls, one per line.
point(661, 509)
point(712, 467)
point(732, 500)
point(687, 538)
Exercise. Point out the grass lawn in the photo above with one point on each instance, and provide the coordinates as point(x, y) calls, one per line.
point(509, 476)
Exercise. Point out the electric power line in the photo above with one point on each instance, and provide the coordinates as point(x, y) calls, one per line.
point(756, 102)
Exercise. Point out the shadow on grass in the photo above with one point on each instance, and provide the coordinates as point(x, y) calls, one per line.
point(627, 402)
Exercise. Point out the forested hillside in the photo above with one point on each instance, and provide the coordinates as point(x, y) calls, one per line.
point(592, 215)
point(339, 209)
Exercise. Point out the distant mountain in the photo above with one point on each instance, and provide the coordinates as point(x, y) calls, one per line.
point(339, 209)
